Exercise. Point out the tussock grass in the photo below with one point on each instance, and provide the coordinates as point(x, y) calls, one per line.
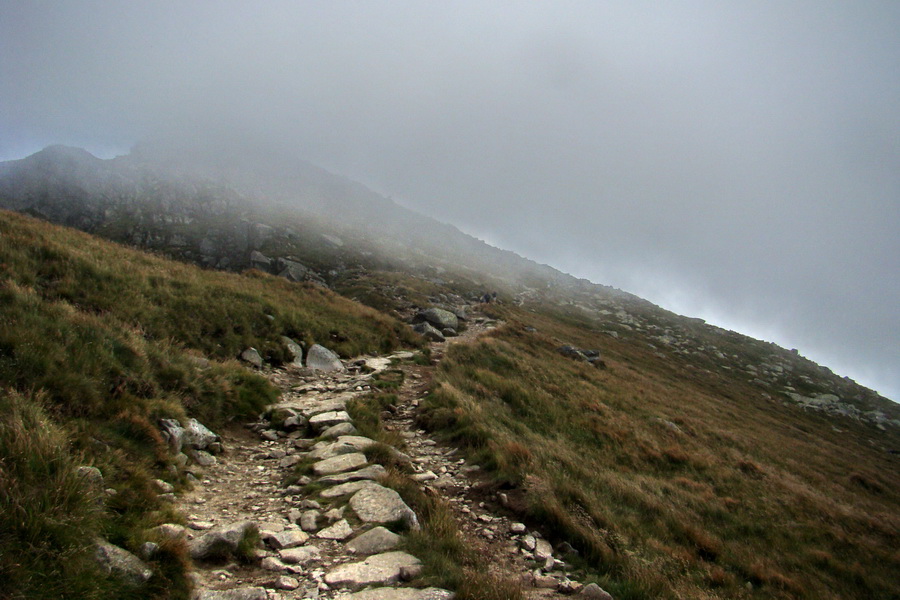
point(97, 343)
point(448, 561)
point(734, 496)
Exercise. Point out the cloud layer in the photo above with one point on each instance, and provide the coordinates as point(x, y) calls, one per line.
point(738, 161)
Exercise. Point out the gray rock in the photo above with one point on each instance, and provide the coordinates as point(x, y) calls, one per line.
point(289, 538)
point(309, 520)
point(383, 569)
point(291, 270)
point(391, 593)
point(339, 464)
point(339, 531)
point(196, 435)
point(449, 332)
point(286, 583)
point(91, 477)
point(332, 450)
point(327, 419)
point(202, 458)
point(374, 541)
point(592, 591)
point(121, 563)
point(294, 350)
point(289, 461)
point(428, 332)
point(370, 472)
point(338, 430)
point(345, 489)
point(168, 531)
point(260, 261)
point(252, 356)
point(163, 487)
point(303, 556)
point(320, 358)
point(173, 433)
point(378, 504)
point(357, 441)
point(542, 550)
point(149, 550)
point(221, 542)
point(244, 593)
point(440, 318)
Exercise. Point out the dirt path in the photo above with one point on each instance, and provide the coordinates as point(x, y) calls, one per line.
point(312, 545)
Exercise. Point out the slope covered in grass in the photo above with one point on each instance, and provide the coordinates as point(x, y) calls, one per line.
point(97, 343)
point(673, 483)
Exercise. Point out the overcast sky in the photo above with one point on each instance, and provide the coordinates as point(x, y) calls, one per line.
point(737, 161)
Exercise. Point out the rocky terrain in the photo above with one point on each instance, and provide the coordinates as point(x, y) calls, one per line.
point(255, 533)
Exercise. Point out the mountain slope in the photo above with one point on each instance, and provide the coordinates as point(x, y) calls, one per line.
point(98, 343)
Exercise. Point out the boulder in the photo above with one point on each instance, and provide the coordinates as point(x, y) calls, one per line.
point(345, 489)
point(374, 541)
point(378, 504)
point(428, 332)
point(339, 531)
point(303, 556)
point(242, 593)
point(289, 538)
point(252, 357)
point(440, 318)
point(291, 269)
point(383, 569)
point(221, 542)
point(336, 431)
point(173, 433)
point(260, 261)
point(371, 472)
point(331, 450)
point(320, 358)
point(294, 350)
point(328, 419)
point(339, 464)
point(121, 563)
point(592, 591)
point(196, 435)
point(91, 477)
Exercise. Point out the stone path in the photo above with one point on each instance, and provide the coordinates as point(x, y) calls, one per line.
point(324, 536)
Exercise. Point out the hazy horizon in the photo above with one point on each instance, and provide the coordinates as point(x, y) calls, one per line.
point(739, 162)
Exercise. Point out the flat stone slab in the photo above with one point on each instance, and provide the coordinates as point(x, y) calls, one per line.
point(332, 450)
point(339, 464)
point(374, 541)
point(389, 593)
point(327, 419)
point(305, 555)
point(345, 489)
point(370, 472)
point(381, 569)
point(338, 430)
point(247, 593)
point(357, 441)
point(378, 504)
point(339, 531)
point(287, 539)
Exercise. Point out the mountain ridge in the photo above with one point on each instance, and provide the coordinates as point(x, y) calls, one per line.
point(219, 208)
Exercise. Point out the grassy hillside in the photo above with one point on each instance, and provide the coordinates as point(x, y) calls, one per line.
point(98, 342)
point(672, 482)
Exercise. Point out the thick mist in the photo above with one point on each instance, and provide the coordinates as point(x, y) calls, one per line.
point(736, 161)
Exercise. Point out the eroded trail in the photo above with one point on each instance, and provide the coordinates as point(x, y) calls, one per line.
point(327, 535)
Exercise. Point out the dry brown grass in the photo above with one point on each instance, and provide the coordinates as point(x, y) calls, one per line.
point(741, 493)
